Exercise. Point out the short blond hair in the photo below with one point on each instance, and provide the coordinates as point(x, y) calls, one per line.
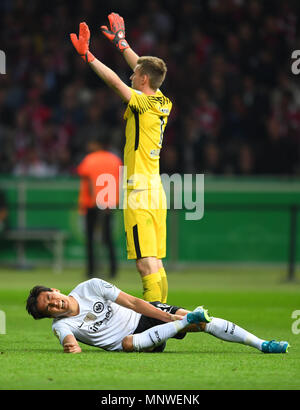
point(155, 68)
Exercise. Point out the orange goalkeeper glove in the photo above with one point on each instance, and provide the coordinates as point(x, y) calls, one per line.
point(82, 43)
point(116, 34)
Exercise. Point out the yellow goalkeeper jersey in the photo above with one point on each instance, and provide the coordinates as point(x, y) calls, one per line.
point(146, 117)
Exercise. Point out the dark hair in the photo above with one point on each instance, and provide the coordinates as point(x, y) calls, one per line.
point(31, 305)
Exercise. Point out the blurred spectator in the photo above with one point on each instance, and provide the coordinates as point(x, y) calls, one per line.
point(206, 114)
point(23, 134)
point(245, 161)
point(30, 164)
point(218, 91)
point(237, 124)
point(169, 162)
point(3, 213)
point(277, 154)
point(211, 159)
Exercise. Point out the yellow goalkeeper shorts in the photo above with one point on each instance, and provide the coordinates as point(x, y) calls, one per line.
point(145, 215)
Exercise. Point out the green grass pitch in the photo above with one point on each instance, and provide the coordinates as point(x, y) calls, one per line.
point(257, 299)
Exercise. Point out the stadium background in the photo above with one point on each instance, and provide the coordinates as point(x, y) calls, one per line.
point(236, 119)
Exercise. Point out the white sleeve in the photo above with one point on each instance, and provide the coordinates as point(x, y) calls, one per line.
point(105, 289)
point(61, 330)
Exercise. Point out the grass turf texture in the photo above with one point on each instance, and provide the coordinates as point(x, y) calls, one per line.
point(257, 299)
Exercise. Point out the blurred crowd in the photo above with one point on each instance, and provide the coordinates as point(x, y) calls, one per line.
point(236, 102)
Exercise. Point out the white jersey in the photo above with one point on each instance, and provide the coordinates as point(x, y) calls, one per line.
point(100, 322)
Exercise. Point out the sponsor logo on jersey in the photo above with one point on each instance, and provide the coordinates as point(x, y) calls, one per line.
point(98, 307)
point(154, 153)
point(107, 285)
point(95, 327)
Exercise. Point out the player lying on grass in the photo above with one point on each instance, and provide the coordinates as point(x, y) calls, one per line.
point(99, 314)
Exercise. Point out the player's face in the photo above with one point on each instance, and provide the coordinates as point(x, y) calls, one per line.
point(54, 303)
point(137, 79)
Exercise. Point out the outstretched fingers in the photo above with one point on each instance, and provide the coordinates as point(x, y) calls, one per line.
point(74, 39)
point(84, 31)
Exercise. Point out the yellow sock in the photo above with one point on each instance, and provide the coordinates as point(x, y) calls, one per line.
point(164, 285)
point(151, 286)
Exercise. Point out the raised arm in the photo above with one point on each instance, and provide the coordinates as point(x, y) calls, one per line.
point(111, 79)
point(116, 35)
point(81, 45)
point(131, 57)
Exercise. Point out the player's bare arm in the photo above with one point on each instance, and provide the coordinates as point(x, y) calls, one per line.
point(81, 44)
point(116, 35)
point(145, 308)
point(131, 58)
point(70, 345)
point(111, 79)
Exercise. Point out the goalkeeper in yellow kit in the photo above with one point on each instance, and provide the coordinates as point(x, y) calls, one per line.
point(146, 117)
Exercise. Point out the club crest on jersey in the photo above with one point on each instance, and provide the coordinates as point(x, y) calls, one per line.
point(98, 307)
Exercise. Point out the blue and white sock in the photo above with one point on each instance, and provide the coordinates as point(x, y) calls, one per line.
point(225, 330)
